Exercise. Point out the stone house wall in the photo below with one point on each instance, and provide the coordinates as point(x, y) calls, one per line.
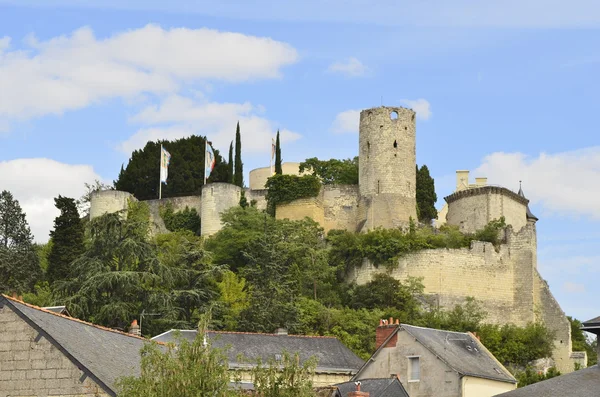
point(31, 368)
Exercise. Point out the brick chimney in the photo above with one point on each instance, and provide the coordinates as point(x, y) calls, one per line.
point(385, 328)
point(134, 329)
point(357, 392)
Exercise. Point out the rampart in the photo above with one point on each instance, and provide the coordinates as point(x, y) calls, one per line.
point(505, 281)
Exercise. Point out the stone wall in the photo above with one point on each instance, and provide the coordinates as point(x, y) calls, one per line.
point(259, 196)
point(217, 198)
point(108, 201)
point(30, 368)
point(387, 158)
point(472, 209)
point(299, 209)
point(179, 204)
point(340, 206)
point(506, 282)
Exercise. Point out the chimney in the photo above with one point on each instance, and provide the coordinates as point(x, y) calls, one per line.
point(462, 180)
point(385, 329)
point(281, 331)
point(475, 335)
point(481, 181)
point(134, 329)
point(357, 392)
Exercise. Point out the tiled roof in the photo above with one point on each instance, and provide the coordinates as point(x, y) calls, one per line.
point(582, 383)
point(331, 354)
point(103, 353)
point(386, 387)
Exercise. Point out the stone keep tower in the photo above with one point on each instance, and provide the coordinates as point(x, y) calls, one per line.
point(387, 160)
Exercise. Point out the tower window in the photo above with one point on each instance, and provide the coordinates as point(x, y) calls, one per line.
point(395, 145)
point(394, 115)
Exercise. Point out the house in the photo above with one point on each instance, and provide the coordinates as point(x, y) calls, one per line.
point(582, 383)
point(389, 387)
point(336, 363)
point(44, 353)
point(435, 363)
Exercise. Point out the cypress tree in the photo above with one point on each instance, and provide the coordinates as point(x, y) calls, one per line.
point(230, 164)
point(426, 196)
point(238, 178)
point(67, 239)
point(278, 169)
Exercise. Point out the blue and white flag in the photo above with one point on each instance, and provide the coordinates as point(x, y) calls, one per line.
point(165, 159)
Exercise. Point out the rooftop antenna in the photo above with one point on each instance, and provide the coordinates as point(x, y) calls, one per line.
point(382, 101)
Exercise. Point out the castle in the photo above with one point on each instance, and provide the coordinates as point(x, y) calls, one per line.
point(505, 281)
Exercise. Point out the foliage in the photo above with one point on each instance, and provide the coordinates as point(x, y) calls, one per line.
point(83, 203)
point(385, 246)
point(461, 318)
point(187, 219)
point(426, 197)
point(186, 169)
point(333, 171)
point(285, 378)
point(41, 296)
point(67, 239)
point(243, 199)
point(278, 169)
point(43, 251)
point(183, 370)
point(230, 163)
point(234, 295)
point(238, 175)
point(19, 262)
point(517, 345)
point(581, 343)
point(530, 376)
point(285, 188)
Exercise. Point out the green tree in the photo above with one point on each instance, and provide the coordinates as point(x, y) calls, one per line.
point(285, 378)
point(67, 239)
point(186, 169)
point(581, 343)
point(426, 196)
point(333, 171)
point(19, 262)
point(184, 369)
point(234, 296)
point(186, 219)
point(278, 169)
point(238, 178)
point(230, 164)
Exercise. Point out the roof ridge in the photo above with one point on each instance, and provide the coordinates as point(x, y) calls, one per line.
point(438, 330)
point(77, 320)
point(269, 334)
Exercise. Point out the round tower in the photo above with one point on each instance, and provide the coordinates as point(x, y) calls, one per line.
point(387, 161)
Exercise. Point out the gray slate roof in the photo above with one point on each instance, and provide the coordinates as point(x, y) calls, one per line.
point(104, 354)
point(528, 213)
point(582, 383)
point(332, 355)
point(461, 351)
point(387, 387)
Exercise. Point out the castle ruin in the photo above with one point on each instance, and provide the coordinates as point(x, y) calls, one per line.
point(506, 282)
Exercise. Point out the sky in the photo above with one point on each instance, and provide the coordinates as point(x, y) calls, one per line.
point(507, 90)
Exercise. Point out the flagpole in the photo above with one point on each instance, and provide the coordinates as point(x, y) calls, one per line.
point(205, 151)
point(159, 173)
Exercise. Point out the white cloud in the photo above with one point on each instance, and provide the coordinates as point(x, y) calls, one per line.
point(346, 122)
point(35, 182)
point(421, 106)
point(562, 183)
point(179, 117)
point(573, 288)
point(72, 72)
point(351, 67)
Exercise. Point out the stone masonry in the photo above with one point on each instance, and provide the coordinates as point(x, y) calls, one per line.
point(30, 368)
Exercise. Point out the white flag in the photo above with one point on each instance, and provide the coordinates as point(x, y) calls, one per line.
point(165, 159)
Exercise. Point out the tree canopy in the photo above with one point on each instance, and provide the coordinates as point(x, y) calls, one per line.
point(333, 171)
point(426, 196)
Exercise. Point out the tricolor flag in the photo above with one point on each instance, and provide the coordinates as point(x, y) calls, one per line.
point(209, 161)
point(165, 159)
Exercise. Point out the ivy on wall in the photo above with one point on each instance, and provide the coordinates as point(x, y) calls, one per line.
point(285, 188)
point(187, 219)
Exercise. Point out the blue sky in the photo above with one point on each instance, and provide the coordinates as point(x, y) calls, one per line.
point(507, 90)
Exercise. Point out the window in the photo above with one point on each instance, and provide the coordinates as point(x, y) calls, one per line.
point(414, 369)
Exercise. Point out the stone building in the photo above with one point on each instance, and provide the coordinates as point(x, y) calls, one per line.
point(434, 363)
point(43, 353)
